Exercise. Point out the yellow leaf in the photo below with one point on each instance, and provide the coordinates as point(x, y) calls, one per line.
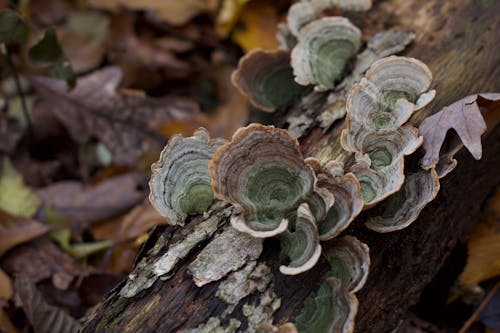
point(5, 286)
point(228, 16)
point(175, 12)
point(258, 29)
point(15, 197)
point(483, 260)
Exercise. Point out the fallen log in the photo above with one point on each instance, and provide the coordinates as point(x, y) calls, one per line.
point(457, 40)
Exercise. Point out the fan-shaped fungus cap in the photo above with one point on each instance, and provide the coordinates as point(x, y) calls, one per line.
point(301, 245)
point(393, 88)
point(320, 202)
point(180, 184)
point(301, 13)
point(263, 174)
point(266, 78)
point(349, 259)
point(382, 148)
point(376, 185)
point(348, 204)
point(329, 310)
point(323, 49)
point(403, 207)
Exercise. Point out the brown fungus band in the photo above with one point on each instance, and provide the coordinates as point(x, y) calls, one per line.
point(403, 207)
point(302, 244)
point(262, 173)
point(393, 88)
point(266, 78)
point(323, 49)
point(180, 184)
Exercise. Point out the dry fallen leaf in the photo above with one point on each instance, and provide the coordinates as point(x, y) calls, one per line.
point(231, 113)
point(228, 15)
point(15, 197)
point(464, 116)
point(45, 260)
point(174, 12)
point(259, 20)
point(483, 261)
point(86, 205)
point(83, 39)
point(15, 230)
point(5, 286)
point(44, 317)
point(125, 123)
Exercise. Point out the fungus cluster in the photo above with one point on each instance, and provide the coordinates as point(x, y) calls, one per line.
point(276, 192)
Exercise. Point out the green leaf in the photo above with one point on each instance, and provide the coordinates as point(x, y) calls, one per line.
point(62, 236)
point(47, 52)
point(15, 197)
point(12, 28)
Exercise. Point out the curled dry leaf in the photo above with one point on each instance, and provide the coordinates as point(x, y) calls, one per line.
point(15, 230)
point(111, 197)
point(125, 123)
point(6, 290)
point(464, 116)
point(44, 317)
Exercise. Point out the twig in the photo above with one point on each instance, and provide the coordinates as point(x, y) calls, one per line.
point(480, 308)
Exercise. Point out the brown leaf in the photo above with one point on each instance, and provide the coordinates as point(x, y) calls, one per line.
point(464, 116)
point(44, 317)
point(483, 259)
point(124, 123)
point(173, 12)
point(45, 260)
point(86, 205)
point(11, 132)
point(5, 286)
point(131, 225)
point(5, 323)
point(15, 230)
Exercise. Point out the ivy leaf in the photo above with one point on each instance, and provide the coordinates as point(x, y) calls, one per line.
point(44, 317)
point(12, 28)
point(47, 52)
point(15, 197)
point(465, 117)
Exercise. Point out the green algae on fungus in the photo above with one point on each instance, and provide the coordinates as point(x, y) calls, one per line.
point(391, 91)
point(403, 207)
point(266, 78)
point(331, 309)
point(262, 173)
point(302, 244)
point(349, 259)
point(323, 50)
point(180, 184)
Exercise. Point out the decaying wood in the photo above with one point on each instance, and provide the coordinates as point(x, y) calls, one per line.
point(458, 40)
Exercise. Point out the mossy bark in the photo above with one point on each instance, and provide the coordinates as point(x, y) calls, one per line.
point(459, 41)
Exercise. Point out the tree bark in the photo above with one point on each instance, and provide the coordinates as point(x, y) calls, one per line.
point(459, 41)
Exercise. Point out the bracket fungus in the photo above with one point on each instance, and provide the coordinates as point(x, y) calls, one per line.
point(403, 207)
point(348, 204)
point(262, 173)
point(392, 89)
point(376, 185)
point(302, 244)
point(180, 184)
point(266, 78)
point(323, 49)
point(331, 309)
point(349, 260)
point(382, 148)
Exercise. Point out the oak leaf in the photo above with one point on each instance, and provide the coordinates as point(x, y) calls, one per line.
point(125, 123)
point(465, 117)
